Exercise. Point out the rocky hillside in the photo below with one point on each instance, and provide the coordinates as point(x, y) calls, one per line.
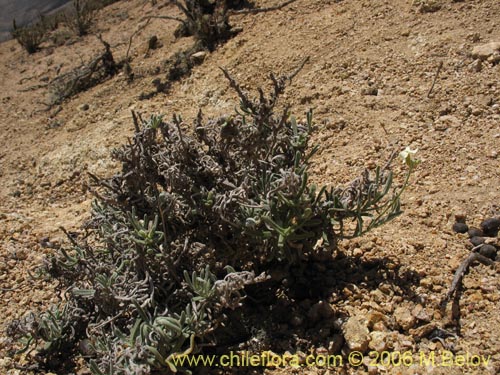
point(382, 75)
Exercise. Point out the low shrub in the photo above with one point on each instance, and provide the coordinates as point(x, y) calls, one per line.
point(81, 17)
point(30, 36)
point(193, 219)
point(206, 20)
point(83, 77)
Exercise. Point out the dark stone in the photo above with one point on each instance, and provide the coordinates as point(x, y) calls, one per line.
point(153, 42)
point(489, 251)
point(490, 226)
point(460, 217)
point(475, 232)
point(476, 240)
point(460, 227)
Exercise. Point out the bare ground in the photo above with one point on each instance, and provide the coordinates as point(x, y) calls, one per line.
point(357, 49)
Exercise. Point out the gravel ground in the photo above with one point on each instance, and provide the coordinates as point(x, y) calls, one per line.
point(372, 65)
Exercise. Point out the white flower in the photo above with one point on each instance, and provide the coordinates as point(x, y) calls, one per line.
point(407, 156)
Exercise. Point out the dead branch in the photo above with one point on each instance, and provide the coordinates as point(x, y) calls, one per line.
point(260, 10)
point(387, 165)
point(149, 18)
point(455, 290)
point(107, 58)
point(435, 78)
point(139, 29)
point(293, 74)
point(84, 76)
point(32, 88)
point(22, 80)
point(182, 8)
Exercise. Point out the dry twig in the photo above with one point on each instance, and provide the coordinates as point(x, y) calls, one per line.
point(435, 78)
point(456, 287)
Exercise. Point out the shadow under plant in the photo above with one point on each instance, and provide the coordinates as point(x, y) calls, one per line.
point(300, 309)
point(205, 229)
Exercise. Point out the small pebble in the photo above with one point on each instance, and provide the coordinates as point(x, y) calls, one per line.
point(490, 226)
point(475, 232)
point(476, 240)
point(489, 251)
point(460, 227)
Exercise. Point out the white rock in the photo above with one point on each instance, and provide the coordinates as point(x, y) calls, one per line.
point(445, 122)
point(378, 341)
point(199, 56)
point(356, 333)
point(484, 51)
point(404, 317)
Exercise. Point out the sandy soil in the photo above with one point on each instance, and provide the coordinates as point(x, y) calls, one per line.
point(371, 66)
